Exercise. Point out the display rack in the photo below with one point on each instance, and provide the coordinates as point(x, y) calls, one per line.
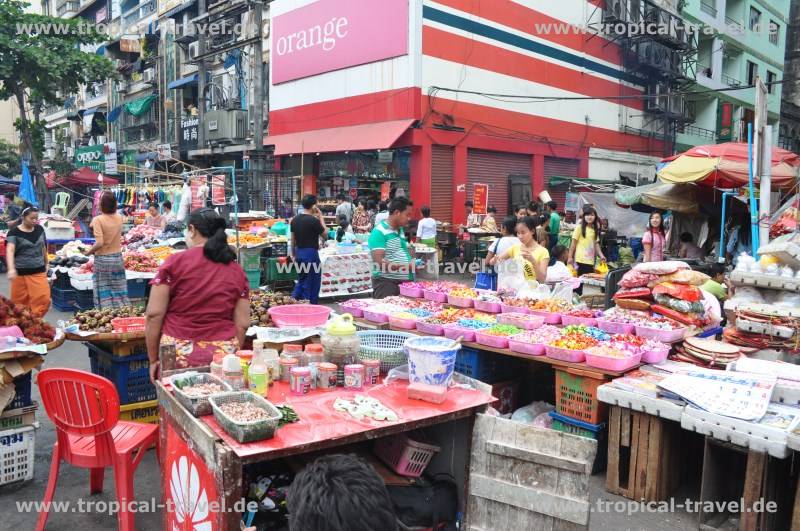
point(346, 275)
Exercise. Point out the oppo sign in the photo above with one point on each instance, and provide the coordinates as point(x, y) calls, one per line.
point(88, 156)
point(329, 35)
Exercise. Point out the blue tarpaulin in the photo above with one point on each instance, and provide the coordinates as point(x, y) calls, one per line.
point(26, 191)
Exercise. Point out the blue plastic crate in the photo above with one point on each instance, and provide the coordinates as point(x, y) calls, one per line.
point(63, 300)
point(487, 367)
point(137, 288)
point(62, 281)
point(84, 299)
point(129, 374)
point(22, 393)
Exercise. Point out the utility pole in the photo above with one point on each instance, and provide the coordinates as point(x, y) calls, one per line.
point(201, 76)
point(762, 161)
point(257, 161)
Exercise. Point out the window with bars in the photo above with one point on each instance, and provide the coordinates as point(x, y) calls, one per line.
point(752, 72)
point(771, 76)
point(755, 19)
point(774, 32)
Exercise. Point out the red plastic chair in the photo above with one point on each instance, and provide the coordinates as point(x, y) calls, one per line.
point(85, 409)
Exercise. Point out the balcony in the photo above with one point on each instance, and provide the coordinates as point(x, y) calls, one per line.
point(68, 8)
point(708, 9)
point(730, 81)
point(137, 13)
point(700, 132)
point(735, 26)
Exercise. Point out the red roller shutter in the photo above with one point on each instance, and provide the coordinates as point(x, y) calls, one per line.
point(558, 167)
point(493, 168)
point(442, 184)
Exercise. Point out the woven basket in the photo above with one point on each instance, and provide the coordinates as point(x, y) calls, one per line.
point(385, 346)
point(197, 405)
point(244, 432)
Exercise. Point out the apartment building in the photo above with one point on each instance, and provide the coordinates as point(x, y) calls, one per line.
point(789, 131)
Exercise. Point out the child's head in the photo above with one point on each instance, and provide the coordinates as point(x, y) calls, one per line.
point(491, 211)
point(426, 211)
point(717, 272)
point(339, 493)
point(509, 226)
point(561, 253)
point(343, 223)
point(468, 206)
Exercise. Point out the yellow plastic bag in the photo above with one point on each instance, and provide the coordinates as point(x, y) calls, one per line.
point(602, 268)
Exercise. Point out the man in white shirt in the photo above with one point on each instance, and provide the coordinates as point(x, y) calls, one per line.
point(345, 208)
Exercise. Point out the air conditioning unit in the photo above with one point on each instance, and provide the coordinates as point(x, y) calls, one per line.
point(657, 95)
point(122, 86)
point(616, 10)
point(660, 57)
point(225, 126)
point(194, 48)
point(676, 105)
point(149, 75)
point(644, 52)
point(70, 151)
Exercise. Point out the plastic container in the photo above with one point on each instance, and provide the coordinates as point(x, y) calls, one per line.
point(403, 323)
point(405, 456)
point(576, 395)
point(258, 374)
point(341, 343)
point(615, 328)
point(245, 358)
point(376, 317)
point(430, 328)
point(665, 336)
point(565, 354)
point(352, 310)
point(137, 288)
point(549, 317)
point(300, 380)
point(372, 371)
point(655, 356)
point(232, 372)
point(491, 341)
point(144, 412)
point(129, 374)
point(488, 367)
point(507, 308)
point(434, 296)
point(488, 307)
point(413, 292)
point(286, 365)
point(246, 431)
point(612, 364)
point(291, 350)
point(299, 315)
point(576, 427)
point(326, 376)
point(461, 302)
point(431, 360)
point(453, 331)
point(354, 375)
point(196, 405)
point(17, 451)
point(520, 320)
point(387, 346)
point(567, 320)
point(523, 347)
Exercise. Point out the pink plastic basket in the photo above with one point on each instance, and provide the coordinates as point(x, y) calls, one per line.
point(401, 322)
point(665, 336)
point(488, 307)
point(521, 320)
point(507, 308)
point(430, 328)
point(376, 317)
point(567, 320)
point(655, 356)
point(612, 364)
point(408, 291)
point(453, 331)
point(352, 310)
point(405, 456)
point(299, 315)
point(615, 328)
point(565, 354)
point(490, 340)
point(523, 347)
point(461, 302)
point(549, 317)
point(434, 296)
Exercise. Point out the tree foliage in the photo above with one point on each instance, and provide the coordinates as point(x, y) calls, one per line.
point(9, 159)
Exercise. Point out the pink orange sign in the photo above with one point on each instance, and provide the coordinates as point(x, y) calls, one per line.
point(329, 35)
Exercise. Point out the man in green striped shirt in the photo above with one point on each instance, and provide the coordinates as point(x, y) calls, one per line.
point(391, 259)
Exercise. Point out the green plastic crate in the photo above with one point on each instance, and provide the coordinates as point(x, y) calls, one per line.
point(250, 259)
point(254, 278)
point(275, 275)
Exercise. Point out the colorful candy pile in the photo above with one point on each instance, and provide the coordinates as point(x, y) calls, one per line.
point(543, 335)
point(513, 301)
point(405, 315)
point(473, 324)
point(652, 344)
point(488, 296)
point(415, 285)
point(589, 331)
point(574, 341)
point(420, 312)
point(609, 350)
point(620, 315)
point(359, 303)
point(661, 323)
point(628, 342)
point(502, 331)
point(551, 305)
point(443, 286)
point(466, 293)
point(584, 312)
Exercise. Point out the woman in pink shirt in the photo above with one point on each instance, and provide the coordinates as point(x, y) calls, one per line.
point(654, 241)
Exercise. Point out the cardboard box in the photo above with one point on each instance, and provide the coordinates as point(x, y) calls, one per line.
point(55, 229)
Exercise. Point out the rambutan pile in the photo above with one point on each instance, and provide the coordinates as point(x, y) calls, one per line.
point(33, 328)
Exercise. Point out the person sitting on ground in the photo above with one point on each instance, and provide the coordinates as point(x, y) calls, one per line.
point(689, 249)
point(339, 493)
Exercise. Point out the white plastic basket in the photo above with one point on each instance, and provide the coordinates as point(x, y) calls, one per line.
point(17, 449)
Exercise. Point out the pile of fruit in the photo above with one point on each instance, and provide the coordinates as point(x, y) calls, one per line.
point(100, 320)
point(247, 240)
point(69, 261)
point(261, 301)
point(140, 262)
point(141, 232)
point(160, 253)
point(33, 328)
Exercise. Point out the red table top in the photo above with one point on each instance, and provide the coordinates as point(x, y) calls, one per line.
point(319, 422)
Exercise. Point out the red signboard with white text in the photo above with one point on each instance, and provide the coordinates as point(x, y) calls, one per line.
point(480, 198)
point(329, 35)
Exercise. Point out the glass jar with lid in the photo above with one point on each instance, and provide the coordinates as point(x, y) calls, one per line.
point(341, 343)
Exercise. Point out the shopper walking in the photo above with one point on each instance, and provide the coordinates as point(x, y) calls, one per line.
point(12, 210)
point(199, 305)
point(110, 284)
point(307, 228)
point(372, 210)
point(344, 208)
point(391, 259)
point(554, 223)
point(426, 228)
point(654, 241)
point(26, 255)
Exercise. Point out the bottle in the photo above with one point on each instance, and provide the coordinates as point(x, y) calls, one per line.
point(258, 375)
point(314, 356)
point(232, 372)
point(273, 366)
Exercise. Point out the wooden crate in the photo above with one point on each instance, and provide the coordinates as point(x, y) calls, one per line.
point(645, 455)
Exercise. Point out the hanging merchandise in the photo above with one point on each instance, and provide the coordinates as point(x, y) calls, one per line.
point(186, 202)
point(199, 192)
point(218, 190)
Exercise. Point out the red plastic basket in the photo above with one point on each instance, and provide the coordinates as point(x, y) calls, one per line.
point(405, 456)
point(128, 324)
point(576, 395)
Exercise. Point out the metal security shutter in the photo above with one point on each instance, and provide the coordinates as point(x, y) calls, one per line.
point(558, 167)
point(442, 184)
point(493, 168)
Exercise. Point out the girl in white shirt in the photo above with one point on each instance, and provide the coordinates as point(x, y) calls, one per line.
point(426, 228)
point(500, 246)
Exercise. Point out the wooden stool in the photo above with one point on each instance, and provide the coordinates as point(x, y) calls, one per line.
point(644, 455)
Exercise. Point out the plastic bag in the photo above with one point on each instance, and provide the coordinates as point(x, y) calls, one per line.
point(680, 305)
point(787, 299)
point(528, 414)
point(543, 420)
point(687, 276)
point(563, 291)
point(632, 293)
point(636, 279)
point(679, 291)
point(660, 268)
point(558, 272)
point(633, 304)
point(511, 275)
point(398, 373)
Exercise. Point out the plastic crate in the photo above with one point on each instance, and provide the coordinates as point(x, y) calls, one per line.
point(250, 259)
point(598, 432)
point(145, 412)
point(129, 374)
point(63, 300)
point(16, 454)
point(22, 393)
point(137, 288)
point(576, 396)
point(487, 367)
point(404, 455)
point(275, 275)
point(62, 281)
point(278, 249)
point(123, 348)
point(253, 279)
point(84, 299)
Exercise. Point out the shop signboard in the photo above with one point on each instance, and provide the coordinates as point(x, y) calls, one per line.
point(166, 5)
point(725, 122)
point(386, 189)
point(130, 43)
point(164, 152)
point(110, 151)
point(199, 190)
point(101, 15)
point(329, 35)
point(572, 202)
point(480, 198)
point(218, 190)
point(189, 127)
point(91, 156)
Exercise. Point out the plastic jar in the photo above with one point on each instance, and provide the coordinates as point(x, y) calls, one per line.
point(326, 376)
point(372, 371)
point(299, 380)
point(245, 357)
point(341, 344)
point(293, 351)
point(314, 356)
point(286, 365)
point(354, 376)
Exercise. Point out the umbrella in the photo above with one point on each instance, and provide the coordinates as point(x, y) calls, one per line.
point(725, 166)
point(660, 196)
point(26, 191)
